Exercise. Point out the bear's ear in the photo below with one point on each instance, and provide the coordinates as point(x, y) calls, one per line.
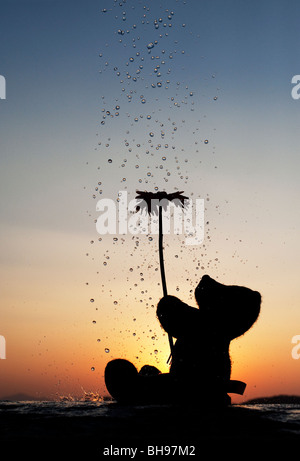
point(206, 282)
point(207, 290)
point(258, 296)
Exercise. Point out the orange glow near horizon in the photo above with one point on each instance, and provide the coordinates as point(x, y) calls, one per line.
point(57, 339)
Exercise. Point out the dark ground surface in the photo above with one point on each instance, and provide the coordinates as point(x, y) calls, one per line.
point(234, 431)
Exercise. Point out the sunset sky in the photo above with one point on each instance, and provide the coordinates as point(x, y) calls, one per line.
point(109, 96)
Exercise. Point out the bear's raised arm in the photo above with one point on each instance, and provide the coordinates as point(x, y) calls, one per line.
point(176, 317)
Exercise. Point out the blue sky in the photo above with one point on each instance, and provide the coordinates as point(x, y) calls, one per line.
point(226, 70)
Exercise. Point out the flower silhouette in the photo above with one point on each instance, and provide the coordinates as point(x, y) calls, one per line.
point(154, 203)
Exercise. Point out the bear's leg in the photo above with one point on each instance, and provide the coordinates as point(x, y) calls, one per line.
point(149, 370)
point(121, 379)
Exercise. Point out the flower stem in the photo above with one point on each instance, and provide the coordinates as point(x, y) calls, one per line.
point(161, 256)
point(162, 268)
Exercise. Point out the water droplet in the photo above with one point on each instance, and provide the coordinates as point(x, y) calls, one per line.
point(92, 368)
point(92, 300)
point(107, 350)
point(109, 160)
point(150, 45)
point(206, 141)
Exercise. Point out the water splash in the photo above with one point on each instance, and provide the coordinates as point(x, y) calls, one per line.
point(87, 396)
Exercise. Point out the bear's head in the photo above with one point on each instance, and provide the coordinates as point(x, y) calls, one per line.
point(231, 308)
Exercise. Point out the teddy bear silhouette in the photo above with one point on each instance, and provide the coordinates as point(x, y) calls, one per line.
point(201, 364)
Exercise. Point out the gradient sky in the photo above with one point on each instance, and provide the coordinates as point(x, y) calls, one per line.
point(225, 76)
